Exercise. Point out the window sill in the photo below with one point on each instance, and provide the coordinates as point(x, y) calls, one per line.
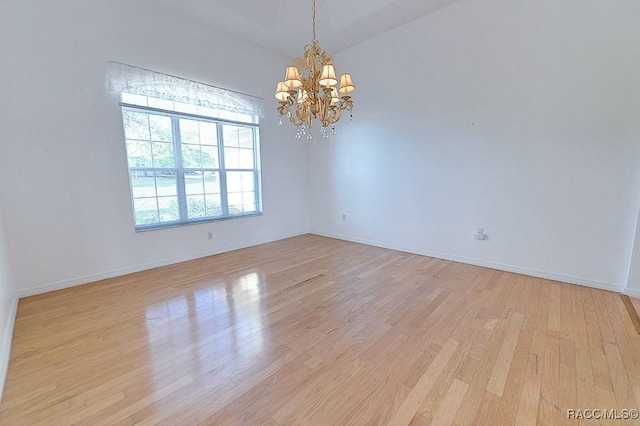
point(194, 222)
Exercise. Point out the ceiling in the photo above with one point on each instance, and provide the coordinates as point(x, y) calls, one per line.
point(284, 26)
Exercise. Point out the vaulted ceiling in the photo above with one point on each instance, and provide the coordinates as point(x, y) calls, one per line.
point(284, 26)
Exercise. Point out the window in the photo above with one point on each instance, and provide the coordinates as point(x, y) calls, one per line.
point(189, 160)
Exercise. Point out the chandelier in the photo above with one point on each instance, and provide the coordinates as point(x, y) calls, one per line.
point(308, 91)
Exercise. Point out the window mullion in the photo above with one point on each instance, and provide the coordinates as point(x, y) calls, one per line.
point(224, 199)
point(256, 171)
point(177, 149)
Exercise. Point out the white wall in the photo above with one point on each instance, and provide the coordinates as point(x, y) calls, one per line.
point(65, 191)
point(8, 307)
point(518, 117)
point(633, 281)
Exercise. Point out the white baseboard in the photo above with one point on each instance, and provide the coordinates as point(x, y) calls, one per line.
point(618, 288)
point(5, 348)
point(632, 292)
point(477, 262)
point(59, 285)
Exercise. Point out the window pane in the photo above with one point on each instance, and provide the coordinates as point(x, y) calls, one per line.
point(234, 182)
point(139, 153)
point(146, 211)
point(238, 143)
point(230, 134)
point(213, 204)
point(196, 207)
point(168, 209)
point(208, 112)
point(241, 203)
point(166, 183)
point(163, 155)
point(238, 136)
point(248, 199)
point(248, 181)
point(208, 133)
point(240, 181)
point(241, 192)
point(235, 202)
point(211, 182)
point(160, 103)
point(232, 158)
point(143, 184)
point(246, 158)
point(136, 125)
point(129, 98)
point(160, 126)
point(245, 137)
point(189, 132)
point(193, 183)
point(226, 115)
point(191, 156)
point(188, 108)
point(246, 118)
point(209, 156)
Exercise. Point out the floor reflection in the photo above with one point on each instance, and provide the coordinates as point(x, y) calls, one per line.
point(210, 330)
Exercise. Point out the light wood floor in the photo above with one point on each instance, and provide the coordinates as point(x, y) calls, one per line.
point(317, 331)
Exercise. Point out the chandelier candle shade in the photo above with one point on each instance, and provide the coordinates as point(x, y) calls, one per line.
point(308, 91)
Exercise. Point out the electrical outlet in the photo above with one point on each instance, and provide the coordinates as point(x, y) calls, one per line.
point(479, 235)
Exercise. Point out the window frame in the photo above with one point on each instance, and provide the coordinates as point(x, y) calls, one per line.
point(180, 170)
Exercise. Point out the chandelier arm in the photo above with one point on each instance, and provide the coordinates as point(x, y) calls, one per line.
point(294, 121)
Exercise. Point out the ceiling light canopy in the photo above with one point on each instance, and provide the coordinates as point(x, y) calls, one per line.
point(308, 91)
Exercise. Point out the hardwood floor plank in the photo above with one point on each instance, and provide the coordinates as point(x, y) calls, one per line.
point(530, 398)
point(411, 404)
point(451, 402)
point(508, 405)
point(503, 363)
point(312, 330)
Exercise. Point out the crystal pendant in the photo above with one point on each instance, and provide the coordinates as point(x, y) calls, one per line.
point(333, 131)
point(280, 122)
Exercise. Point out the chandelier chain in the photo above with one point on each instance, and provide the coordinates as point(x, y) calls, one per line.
point(313, 20)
